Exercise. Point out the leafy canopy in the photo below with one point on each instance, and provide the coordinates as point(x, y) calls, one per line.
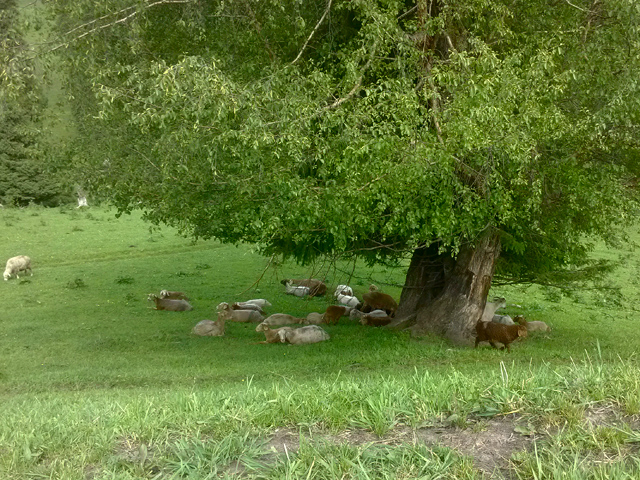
point(364, 127)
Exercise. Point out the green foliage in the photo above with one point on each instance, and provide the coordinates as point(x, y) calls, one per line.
point(392, 128)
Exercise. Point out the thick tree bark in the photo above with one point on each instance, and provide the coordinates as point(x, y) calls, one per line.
point(449, 301)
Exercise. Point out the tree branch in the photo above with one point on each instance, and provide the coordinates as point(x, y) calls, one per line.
point(326, 11)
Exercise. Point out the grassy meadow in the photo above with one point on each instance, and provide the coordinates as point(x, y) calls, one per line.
point(95, 384)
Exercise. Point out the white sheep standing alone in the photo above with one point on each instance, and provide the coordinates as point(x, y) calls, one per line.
point(16, 265)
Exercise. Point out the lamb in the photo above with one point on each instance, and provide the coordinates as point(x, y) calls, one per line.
point(317, 288)
point(374, 300)
point(496, 332)
point(169, 304)
point(333, 314)
point(261, 302)
point(367, 319)
point(209, 328)
point(303, 335)
point(272, 335)
point(297, 290)
point(314, 318)
point(348, 300)
point(503, 319)
point(225, 311)
point(491, 307)
point(16, 265)
point(343, 290)
point(281, 319)
point(173, 295)
point(247, 306)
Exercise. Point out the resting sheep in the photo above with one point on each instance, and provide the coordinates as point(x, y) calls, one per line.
point(496, 332)
point(247, 306)
point(367, 319)
point(281, 319)
point(303, 335)
point(225, 311)
point(491, 307)
point(297, 290)
point(374, 300)
point(272, 335)
point(348, 300)
point(314, 318)
point(357, 314)
point(503, 319)
point(209, 328)
point(169, 304)
point(173, 295)
point(343, 290)
point(261, 302)
point(317, 288)
point(17, 264)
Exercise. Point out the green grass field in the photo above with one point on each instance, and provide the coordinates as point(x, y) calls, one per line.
point(96, 384)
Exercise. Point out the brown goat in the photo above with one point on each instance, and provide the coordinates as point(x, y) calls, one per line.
point(496, 332)
point(317, 288)
point(375, 300)
point(333, 314)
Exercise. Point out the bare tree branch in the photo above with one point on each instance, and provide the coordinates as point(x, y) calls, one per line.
point(326, 11)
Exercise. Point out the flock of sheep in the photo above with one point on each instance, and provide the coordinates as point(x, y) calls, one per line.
point(376, 309)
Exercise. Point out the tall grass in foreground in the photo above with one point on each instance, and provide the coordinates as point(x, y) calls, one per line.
point(95, 384)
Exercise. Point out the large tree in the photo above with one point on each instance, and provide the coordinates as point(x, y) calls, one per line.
point(480, 136)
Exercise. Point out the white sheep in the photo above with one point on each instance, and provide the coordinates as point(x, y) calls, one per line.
point(303, 335)
point(281, 319)
point(247, 306)
point(297, 290)
point(357, 314)
point(348, 300)
point(272, 335)
point(227, 313)
point(261, 302)
point(503, 319)
point(343, 290)
point(491, 307)
point(16, 265)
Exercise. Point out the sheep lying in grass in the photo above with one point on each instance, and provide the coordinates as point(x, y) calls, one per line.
point(357, 314)
point(261, 302)
point(503, 319)
point(296, 290)
point(375, 321)
point(272, 335)
point(314, 318)
point(316, 287)
point(348, 300)
point(169, 304)
point(15, 265)
point(498, 333)
point(247, 306)
point(173, 295)
point(303, 335)
point(225, 311)
point(209, 328)
point(343, 290)
point(281, 319)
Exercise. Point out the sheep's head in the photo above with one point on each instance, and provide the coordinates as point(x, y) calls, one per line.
point(373, 288)
point(222, 307)
point(152, 297)
point(164, 293)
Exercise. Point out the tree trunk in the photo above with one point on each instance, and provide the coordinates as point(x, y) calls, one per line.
point(449, 301)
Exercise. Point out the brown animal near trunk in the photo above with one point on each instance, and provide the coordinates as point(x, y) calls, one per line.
point(170, 304)
point(317, 288)
point(496, 332)
point(173, 295)
point(373, 321)
point(379, 301)
point(333, 314)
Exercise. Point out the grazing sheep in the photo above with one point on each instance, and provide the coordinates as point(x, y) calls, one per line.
point(367, 319)
point(209, 328)
point(491, 307)
point(297, 290)
point(317, 288)
point(348, 300)
point(281, 319)
point(333, 314)
point(247, 306)
point(343, 290)
point(272, 335)
point(225, 311)
point(261, 302)
point(16, 265)
point(169, 304)
point(173, 295)
point(503, 319)
point(374, 300)
point(537, 326)
point(303, 335)
point(314, 318)
point(496, 332)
